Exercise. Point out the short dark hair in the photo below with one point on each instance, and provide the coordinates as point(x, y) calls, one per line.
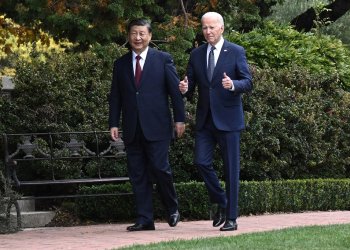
point(140, 22)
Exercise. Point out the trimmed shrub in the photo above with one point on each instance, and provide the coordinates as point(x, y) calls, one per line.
point(297, 127)
point(66, 93)
point(279, 46)
point(256, 197)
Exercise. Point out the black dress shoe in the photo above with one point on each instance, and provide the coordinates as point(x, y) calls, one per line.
point(219, 217)
point(230, 225)
point(141, 227)
point(174, 219)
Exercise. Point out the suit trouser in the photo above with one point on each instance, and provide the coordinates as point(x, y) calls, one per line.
point(206, 140)
point(147, 159)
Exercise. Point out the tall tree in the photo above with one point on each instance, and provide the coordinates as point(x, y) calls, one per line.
point(330, 13)
point(81, 21)
point(104, 21)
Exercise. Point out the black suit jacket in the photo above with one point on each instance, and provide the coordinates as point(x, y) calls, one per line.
point(150, 103)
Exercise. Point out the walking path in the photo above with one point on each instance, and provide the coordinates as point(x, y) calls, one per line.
point(108, 236)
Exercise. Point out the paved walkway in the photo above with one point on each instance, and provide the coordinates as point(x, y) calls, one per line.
point(108, 236)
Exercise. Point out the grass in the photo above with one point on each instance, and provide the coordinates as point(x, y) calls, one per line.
point(332, 237)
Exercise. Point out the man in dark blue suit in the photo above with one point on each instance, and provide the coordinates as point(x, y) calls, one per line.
point(143, 81)
point(220, 71)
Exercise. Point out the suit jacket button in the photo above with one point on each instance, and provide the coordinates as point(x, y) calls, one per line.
point(137, 93)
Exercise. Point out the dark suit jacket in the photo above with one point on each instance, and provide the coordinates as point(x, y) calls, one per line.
point(149, 103)
point(225, 106)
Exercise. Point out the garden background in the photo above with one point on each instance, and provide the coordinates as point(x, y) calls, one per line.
point(296, 147)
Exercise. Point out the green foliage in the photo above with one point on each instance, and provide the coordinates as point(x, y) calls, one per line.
point(297, 127)
point(303, 237)
point(178, 41)
point(8, 201)
point(82, 22)
point(255, 198)
point(18, 42)
point(294, 196)
point(107, 207)
point(103, 22)
point(280, 46)
point(296, 121)
point(193, 200)
point(242, 16)
point(290, 8)
point(66, 93)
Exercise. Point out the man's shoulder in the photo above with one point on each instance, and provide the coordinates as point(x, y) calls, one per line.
point(123, 58)
point(235, 46)
point(199, 49)
point(158, 52)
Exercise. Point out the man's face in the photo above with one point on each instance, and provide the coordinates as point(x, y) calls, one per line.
point(212, 29)
point(139, 38)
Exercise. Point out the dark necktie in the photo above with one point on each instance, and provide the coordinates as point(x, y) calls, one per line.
point(211, 63)
point(138, 71)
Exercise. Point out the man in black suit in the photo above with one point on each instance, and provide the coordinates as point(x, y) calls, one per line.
point(220, 71)
point(143, 81)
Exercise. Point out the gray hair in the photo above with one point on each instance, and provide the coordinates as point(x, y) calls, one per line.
point(219, 17)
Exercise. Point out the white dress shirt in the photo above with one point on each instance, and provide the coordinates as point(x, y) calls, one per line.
point(142, 60)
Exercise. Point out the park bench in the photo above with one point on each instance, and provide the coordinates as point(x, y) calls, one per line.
point(35, 163)
point(65, 148)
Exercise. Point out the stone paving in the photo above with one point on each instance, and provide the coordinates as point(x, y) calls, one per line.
point(108, 236)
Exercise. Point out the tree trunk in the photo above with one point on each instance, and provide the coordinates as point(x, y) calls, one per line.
point(333, 11)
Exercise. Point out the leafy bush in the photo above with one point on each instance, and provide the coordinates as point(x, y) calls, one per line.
point(9, 223)
point(19, 42)
point(256, 197)
point(289, 9)
point(66, 93)
point(297, 127)
point(296, 117)
point(296, 121)
point(280, 46)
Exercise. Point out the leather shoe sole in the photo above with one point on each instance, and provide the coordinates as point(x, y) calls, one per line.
point(140, 227)
point(229, 225)
point(174, 219)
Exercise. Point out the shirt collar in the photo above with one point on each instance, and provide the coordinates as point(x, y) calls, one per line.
point(143, 54)
point(218, 46)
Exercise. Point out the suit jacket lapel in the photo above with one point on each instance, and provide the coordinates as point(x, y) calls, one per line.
point(204, 62)
point(130, 68)
point(222, 58)
point(147, 67)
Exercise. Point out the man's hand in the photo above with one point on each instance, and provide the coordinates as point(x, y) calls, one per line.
point(183, 86)
point(114, 133)
point(227, 83)
point(179, 128)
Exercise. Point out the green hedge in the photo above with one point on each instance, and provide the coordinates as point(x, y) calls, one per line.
point(297, 127)
point(297, 116)
point(280, 46)
point(255, 198)
point(297, 121)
